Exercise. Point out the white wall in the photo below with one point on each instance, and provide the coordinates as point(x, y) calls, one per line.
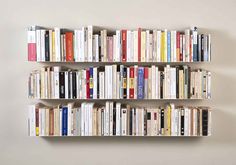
point(213, 16)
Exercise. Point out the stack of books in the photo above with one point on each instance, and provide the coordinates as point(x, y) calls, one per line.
point(141, 45)
point(114, 119)
point(120, 82)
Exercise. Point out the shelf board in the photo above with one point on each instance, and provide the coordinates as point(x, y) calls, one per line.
point(115, 99)
point(51, 136)
point(119, 63)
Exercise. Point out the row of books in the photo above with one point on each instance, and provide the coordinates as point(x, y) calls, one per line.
point(114, 119)
point(120, 82)
point(141, 45)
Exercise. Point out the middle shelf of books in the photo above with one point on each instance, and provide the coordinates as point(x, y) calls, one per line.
point(120, 82)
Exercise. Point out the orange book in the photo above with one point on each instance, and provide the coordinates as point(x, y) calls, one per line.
point(51, 122)
point(69, 46)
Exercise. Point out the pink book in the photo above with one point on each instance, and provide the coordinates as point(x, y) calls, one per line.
point(110, 48)
point(32, 43)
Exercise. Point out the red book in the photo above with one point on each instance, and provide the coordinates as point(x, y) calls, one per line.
point(31, 45)
point(131, 88)
point(69, 46)
point(146, 73)
point(178, 46)
point(124, 39)
point(87, 84)
point(181, 48)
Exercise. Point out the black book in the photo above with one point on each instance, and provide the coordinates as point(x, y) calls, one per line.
point(189, 78)
point(161, 84)
point(145, 122)
point(114, 120)
point(204, 122)
point(47, 49)
point(199, 52)
point(62, 84)
point(125, 82)
point(74, 87)
point(148, 119)
point(182, 122)
point(177, 82)
point(130, 122)
point(202, 47)
point(162, 120)
point(69, 78)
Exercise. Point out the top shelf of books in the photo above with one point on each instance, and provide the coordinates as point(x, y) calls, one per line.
point(118, 46)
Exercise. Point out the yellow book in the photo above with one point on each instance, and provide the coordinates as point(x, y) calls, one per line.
point(181, 86)
point(143, 46)
point(168, 120)
point(53, 47)
point(162, 45)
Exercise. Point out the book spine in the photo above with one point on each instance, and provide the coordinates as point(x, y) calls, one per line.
point(131, 89)
point(32, 55)
point(146, 76)
point(168, 46)
point(69, 46)
point(87, 83)
point(74, 85)
point(64, 121)
point(62, 84)
point(91, 83)
point(47, 48)
point(140, 92)
point(139, 44)
point(124, 46)
point(124, 82)
point(195, 45)
point(57, 44)
point(90, 43)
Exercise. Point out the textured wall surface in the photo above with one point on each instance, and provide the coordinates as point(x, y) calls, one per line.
point(212, 16)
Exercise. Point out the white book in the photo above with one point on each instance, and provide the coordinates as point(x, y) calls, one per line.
point(154, 46)
point(117, 85)
point(142, 122)
point(84, 84)
point(118, 46)
point(77, 84)
point(96, 48)
point(90, 43)
point(128, 82)
point(137, 121)
point(38, 44)
point(173, 83)
point(83, 119)
point(158, 46)
point(69, 128)
point(41, 130)
point(42, 44)
point(208, 85)
point(157, 85)
point(128, 46)
point(186, 122)
point(82, 45)
point(118, 119)
point(85, 30)
point(38, 85)
point(31, 120)
point(86, 124)
point(147, 45)
point(107, 119)
point(76, 45)
point(60, 118)
point(154, 83)
point(66, 85)
point(111, 119)
point(46, 84)
point(114, 75)
point(95, 83)
point(187, 45)
point(135, 46)
point(191, 46)
point(109, 83)
point(132, 47)
point(124, 122)
point(114, 49)
point(57, 44)
point(209, 122)
point(90, 110)
point(101, 85)
point(173, 122)
point(209, 47)
point(195, 123)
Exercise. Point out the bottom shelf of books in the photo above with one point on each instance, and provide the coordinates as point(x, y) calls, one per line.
point(116, 119)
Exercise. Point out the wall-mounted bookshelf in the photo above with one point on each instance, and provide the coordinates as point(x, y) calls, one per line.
point(100, 77)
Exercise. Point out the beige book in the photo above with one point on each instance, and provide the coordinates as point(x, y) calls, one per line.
point(143, 46)
point(149, 94)
point(99, 122)
point(47, 122)
point(42, 88)
point(94, 115)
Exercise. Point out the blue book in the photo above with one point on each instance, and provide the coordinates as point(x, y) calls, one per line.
point(91, 83)
point(141, 83)
point(64, 120)
point(168, 47)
